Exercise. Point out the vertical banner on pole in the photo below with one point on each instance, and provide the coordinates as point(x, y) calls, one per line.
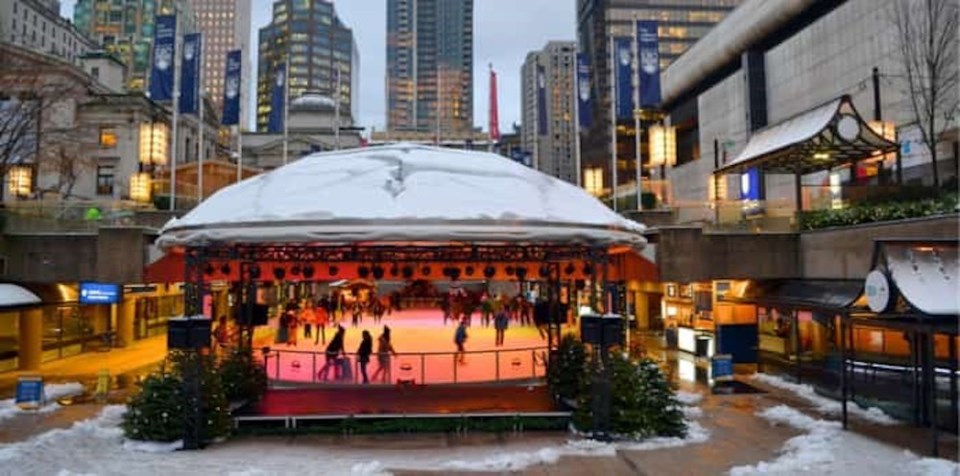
point(584, 106)
point(542, 124)
point(231, 89)
point(190, 74)
point(648, 47)
point(161, 71)
point(277, 103)
point(624, 77)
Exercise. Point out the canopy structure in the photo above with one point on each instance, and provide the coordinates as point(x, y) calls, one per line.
point(403, 193)
point(924, 272)
point(12, 295)
point(827, 136)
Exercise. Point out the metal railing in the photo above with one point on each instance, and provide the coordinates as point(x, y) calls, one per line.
point(483, 366)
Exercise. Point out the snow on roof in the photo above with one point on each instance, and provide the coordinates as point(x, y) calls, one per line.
point(402, 192)
point(12, 295)
point(926, 276)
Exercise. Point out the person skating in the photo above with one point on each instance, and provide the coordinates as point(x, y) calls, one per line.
point(460, 338)
point(363, 354)
point(321, 318)
point(501, 321)
point(333, 352)
point(384, 352)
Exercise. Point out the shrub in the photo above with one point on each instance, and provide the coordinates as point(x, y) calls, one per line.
point(244, 379)
point(642, 403)
point(873, 213)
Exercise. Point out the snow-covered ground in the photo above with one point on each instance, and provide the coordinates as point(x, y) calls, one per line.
point(826, 405)
point(826, 449)
point(97, 446)
point(52, 391)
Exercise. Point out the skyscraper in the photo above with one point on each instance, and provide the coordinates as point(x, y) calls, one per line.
point(317, 44)
point(554, 153)
point(681, 24)
point(125, 29)
point(430, 66)
point(225, 25)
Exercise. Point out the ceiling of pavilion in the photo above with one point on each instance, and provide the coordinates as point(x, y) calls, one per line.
point(402, 193)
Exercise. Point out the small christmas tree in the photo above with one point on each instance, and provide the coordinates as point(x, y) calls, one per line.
point(566, 372)
point(156, 413)
point(243, 378)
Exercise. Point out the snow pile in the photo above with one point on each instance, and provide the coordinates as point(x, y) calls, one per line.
point(94, 432)
point(370, 468)
point(800, 453)
point(52, 391)
point(826, 405)
point(826, 449)
point(689, 398)
point(152, 446)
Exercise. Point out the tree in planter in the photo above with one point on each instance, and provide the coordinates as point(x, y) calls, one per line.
point(566, 373)
point(157, 413)
point(642, 403)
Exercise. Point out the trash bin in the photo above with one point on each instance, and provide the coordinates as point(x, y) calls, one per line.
point(703, 346)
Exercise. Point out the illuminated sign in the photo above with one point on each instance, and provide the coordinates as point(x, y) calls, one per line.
point(99, 293)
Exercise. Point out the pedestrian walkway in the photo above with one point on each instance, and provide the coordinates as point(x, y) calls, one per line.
point(139, 358)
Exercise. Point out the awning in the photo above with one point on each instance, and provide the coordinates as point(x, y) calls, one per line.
point(925, 272)
point(12, 295)
point(827, 136)
point(813, 294)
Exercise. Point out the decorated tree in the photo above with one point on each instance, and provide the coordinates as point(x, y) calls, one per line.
point(566, 373)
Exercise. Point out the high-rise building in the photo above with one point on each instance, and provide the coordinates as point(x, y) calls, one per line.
point(555, 150)
point(681, 23)
point(125, 29)
point(37, 25)
point(310, 36)
point(225, 25)
point(430, 66)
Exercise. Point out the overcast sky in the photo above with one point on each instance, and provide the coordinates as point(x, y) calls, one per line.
point(504, 31)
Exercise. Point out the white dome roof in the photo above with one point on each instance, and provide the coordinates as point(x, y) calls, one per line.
point(400, 193)
point(312, 101)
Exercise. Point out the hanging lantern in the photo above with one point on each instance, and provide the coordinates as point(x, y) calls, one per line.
point(154, 143)
point(20, 181)
point(663, 145)
point(140, 184)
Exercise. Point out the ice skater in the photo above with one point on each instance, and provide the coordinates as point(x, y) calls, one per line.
point(363, 354)
point(333, 352)
point(460, 338)
point(384, 352)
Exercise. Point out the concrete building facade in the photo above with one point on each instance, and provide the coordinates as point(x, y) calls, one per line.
point(430, 66)
point(807, 55)
point(681, 24)
point(554, 150)
point(318, 46)
point(37, 25)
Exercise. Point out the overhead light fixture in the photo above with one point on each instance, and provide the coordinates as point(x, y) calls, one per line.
point(308, 271)
point(821, 156)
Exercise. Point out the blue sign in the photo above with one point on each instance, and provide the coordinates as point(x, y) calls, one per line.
point(29, 392)
point(648, 70)
point(278, 100)
point(721, 367)
point(164, 50)
point(231, 89)
point(624, 81)
point(542, 123)
point(750, 185)
point(99, 293)
point(584, 110)
point(190, 73)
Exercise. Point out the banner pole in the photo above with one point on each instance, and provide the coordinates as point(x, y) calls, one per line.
point(613, 123)
point(202, 152)
point(175, 103)
point(636, 120)
point(576, 118)
point(286, 106)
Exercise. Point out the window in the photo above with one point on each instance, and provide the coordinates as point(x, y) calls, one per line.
point(105, 179)
point(108, 135)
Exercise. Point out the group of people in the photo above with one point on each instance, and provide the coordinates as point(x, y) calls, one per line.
point(313, 316)
point(339, 362)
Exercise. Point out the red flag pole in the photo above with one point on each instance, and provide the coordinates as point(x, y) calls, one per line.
point(494, 125)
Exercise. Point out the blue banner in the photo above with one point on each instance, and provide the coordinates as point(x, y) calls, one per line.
point(542, 123)
point(164, 46)
point(624, 77)
point(190, 73)
point(278, 100)
point(231, 88)
point(648, 44)
point(584, 104)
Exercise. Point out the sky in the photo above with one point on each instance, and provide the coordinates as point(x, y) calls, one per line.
point(504, 32)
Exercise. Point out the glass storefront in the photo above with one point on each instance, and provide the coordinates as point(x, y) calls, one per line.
point(9, 340)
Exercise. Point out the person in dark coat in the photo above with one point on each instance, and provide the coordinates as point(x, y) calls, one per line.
point(333, 352)
point(363, 354)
